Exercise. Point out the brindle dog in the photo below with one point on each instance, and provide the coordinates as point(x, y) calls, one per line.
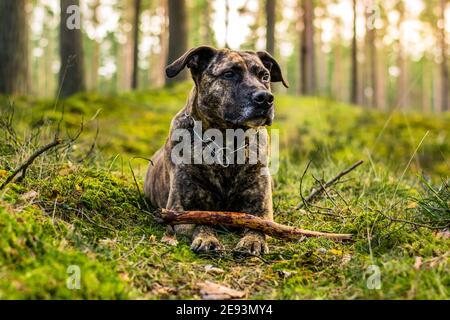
point(232, 90)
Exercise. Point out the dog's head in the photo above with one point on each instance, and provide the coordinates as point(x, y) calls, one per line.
point(233, 87)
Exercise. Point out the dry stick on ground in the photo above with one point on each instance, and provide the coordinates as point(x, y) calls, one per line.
point(56, 142)
point(416, 224)
point(23, 167)
point(244, 220)
point(323, 187)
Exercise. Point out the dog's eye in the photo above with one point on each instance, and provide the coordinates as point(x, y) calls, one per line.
point(265, 77)
point(228, 75)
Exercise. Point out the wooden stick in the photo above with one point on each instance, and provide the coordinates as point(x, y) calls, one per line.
point(23, 167)
point(323, 187)
point(244, 220)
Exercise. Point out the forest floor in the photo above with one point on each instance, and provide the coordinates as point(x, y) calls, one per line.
point(78, 205)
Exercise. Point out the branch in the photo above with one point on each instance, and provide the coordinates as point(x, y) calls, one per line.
point(316, 192)
point(23, 167)
point(244, 220)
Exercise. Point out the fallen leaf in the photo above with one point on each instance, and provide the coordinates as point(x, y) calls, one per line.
point(124, 276)
point(285, 274)
point(412, 205)
point(445, 234)
point(436, 261)
point(161, 290)
point(336, 252)
point(214, 291)
point(418, 263)
point(212, 269)
point(346, 259)
point(3, 173)
point(431, 263)
point(170, 240)
point(29, 196)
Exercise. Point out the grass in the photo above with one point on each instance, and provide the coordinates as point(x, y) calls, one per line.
point(73, 210)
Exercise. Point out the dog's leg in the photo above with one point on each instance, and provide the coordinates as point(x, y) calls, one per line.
point(253, 242)
point(258, 202)
point(189, 196)
point(205, 239)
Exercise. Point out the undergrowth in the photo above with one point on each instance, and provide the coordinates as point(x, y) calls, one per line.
point(78, 205)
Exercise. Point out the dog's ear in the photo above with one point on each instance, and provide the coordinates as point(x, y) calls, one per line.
point(270, 63)
point(195, 59)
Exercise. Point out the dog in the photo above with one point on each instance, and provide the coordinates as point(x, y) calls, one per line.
point(232, 91)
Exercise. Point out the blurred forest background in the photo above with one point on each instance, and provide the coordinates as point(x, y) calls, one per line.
point(379, 54)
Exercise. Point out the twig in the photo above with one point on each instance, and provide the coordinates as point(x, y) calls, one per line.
point(417, 224)
point(244, 220)
point(157, 219)
point(92, 148)
point(23, 167)
point(301, 186)
point(317, 192)
point(132, 250)
point(324, 190)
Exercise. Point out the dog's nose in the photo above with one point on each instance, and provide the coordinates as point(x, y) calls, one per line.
point(263, 97)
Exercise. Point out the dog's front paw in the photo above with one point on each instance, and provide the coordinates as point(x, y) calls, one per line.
point(204, 241)
point(253, 243)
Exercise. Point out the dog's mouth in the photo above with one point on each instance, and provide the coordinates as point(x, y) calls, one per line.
point(254, 119)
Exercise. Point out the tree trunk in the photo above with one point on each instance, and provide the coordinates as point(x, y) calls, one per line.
point(71, 74)
point(227, 22)
point(444, 66)
point(402, 81)
point(270, 26)
point(13, 47)
point(125, 60)
point(160, 60)
point(372, 57)
point(307, 61)
point(354, 97)
point(96, 50)
point(177, 35)
point(207, 31)
point(338, 84)
point(136, 19)
point(427, 87)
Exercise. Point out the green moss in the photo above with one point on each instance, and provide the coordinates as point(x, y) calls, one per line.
point(88, 213)
point(35, 257)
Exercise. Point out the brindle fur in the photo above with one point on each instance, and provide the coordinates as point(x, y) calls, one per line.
point(219, 103)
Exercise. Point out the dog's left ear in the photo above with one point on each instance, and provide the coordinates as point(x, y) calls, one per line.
point(195, 59)
point(270, 63)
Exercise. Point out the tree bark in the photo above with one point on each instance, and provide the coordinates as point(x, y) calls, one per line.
point(371, 51)
point(96, 50)
point(136, 19)
point(270, 26)
point(13, 47)
point(354, 97)
point(207, 34)
point(307, 61)
point(71, 74)
point(402, 80)
point(444, 66)
point(177, 35)
point(227, 22)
